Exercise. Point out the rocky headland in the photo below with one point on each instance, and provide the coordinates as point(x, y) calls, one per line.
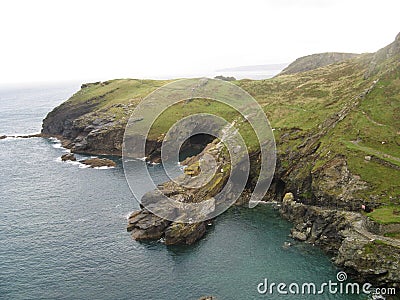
point(337, 133)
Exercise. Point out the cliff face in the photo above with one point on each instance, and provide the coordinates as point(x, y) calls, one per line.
point(94, 119)
point(345, 235)
point(314, 61)
point(337, 132)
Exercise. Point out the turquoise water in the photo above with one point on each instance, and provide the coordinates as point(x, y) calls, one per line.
point(62, 230)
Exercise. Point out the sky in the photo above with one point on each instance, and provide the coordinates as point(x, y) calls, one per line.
point(47, 40)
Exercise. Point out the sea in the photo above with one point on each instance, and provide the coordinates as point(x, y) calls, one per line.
point(63, 229)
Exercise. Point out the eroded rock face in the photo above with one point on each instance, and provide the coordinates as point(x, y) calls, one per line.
point(184, 234)
point(368, 260)
point(345, 235)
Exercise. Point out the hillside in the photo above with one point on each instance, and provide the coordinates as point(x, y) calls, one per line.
point(337, 129)
point(314, 61)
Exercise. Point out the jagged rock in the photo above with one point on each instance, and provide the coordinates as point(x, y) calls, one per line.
point(345, 235)
point(375, 260)
point(98, 162)
point(2, 137)
point(146, 226)
point(68, 156)
point(286, 245)
point(301, 236)
point(184, 234)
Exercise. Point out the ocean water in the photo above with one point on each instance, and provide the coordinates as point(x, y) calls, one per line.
point(63, 236)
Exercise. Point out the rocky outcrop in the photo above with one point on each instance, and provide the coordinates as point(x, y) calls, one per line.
point(145, 225)
point(370, 260)
point(345, 236)
point(184, 234)
point(2, 137)
point(98, 162)
point(68, 156)
point(314, 61)
point(377, 63)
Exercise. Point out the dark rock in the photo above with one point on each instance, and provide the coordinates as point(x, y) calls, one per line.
point(146, 226)
point(29, 136)
point(85, 85)
point(68, 156)
point(225, 78)
point(345, 235)
point(2, 137)
point(98, 162)
point(184, 234)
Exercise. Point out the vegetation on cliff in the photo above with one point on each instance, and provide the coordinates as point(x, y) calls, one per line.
point(343, 115)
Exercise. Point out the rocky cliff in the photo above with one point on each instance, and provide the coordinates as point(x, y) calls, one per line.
point(345, 235)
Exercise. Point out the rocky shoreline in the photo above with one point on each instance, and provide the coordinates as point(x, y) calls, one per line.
point(344, 235)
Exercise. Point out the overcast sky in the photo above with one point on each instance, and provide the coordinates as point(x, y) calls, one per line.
point(48, 40)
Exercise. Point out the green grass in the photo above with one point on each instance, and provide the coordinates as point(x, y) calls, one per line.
point(373, 246)
point(386, 214)
point(394, 235)
point(372, 152)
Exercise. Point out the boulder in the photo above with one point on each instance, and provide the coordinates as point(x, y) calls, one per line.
point(98, 162)
point(68, 156)
point(2, 137)
point(298, 235)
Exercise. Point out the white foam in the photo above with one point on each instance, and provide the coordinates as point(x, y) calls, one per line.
point(74, 163)
point(129, 214)
point(103, 168)
point(83, 166)
point(129, 160)
point(80, 220)
point(57, 146)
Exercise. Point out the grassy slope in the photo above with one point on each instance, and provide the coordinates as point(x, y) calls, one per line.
point(302, 101)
